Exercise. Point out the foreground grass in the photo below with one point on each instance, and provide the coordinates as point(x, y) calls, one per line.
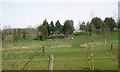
point(68, 54)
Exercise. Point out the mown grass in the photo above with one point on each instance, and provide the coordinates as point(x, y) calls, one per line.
point(68, 55)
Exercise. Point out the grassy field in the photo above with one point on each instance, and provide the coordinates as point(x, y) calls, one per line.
point(68, 54)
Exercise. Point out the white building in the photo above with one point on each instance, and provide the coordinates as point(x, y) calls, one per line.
point(119, 10)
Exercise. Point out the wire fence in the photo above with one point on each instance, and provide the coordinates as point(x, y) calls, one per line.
point(11, 63)
point(60, 59)
point(61, 63)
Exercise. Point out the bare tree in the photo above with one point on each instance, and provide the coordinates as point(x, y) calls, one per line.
point(105, 33)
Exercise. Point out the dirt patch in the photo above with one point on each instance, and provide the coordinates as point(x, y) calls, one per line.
point(11, 48)
point(116, 41)
point(28, 47)
point(65, 45)
point(90, 44)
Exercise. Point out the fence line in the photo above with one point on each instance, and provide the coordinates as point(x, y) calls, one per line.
point(61, 58)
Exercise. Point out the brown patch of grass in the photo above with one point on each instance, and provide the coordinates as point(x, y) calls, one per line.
point(11, 48)
point(65, 45)
point(90, 44)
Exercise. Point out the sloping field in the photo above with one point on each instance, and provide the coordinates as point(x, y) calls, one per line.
point(68, 54)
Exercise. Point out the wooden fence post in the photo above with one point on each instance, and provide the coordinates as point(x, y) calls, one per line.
point(43, 50)
point(111, 47)
point(92, 65)
point(51, 63)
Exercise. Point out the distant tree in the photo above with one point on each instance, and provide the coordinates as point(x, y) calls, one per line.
point(110, 22)
point(68, 27)
point(104, 25)
point(43, 30)
point(7, 30)
point(24, 35)
point(31, 33)
point(45, 23)
point(97, 22)
point(38, 36)
point(88, 29)
point(92, 28)
point(15, 35)
point(58, 27)
point(3, 37)
point(52, 27)
point(82, 26)
point(105, 33)
point(19, 34)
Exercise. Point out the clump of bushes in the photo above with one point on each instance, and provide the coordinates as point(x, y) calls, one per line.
point(54, 36)
point(78, 33)
point(38, 38)
point(60, 36)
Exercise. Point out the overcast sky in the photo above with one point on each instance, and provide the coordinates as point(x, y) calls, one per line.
point(25, 13)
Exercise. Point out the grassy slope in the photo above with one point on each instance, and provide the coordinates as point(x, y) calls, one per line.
point(68, 51)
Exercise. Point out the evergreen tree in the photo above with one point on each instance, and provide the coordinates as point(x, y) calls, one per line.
point(45, 23)
point(43, 30)
point(82, 26)
point(68, 27)
point(52, 27)
point(58, 27)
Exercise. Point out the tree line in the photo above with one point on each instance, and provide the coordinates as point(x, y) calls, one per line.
point(97, 24)
point(53, 30)
point(47, 29)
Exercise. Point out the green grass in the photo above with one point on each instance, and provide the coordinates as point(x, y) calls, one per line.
point(68, 55)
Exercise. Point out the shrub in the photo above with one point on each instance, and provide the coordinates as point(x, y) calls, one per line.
point(53, 36)
point(24, 35)
point(78, 33)
point(39, 37)
point(89, 33)
point(61, 36)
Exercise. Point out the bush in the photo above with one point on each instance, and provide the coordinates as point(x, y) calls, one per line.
point(78, 33)
point(39, 37)
point(89, 33)
point(53, 36)
point(24, 35)
point(61, 36)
